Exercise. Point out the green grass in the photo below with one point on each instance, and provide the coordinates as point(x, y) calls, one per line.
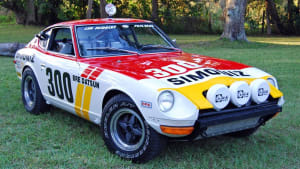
point(58, 139)
point(17, 33)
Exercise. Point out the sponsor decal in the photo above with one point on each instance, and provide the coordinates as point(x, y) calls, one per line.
point(262, 92)
point(146, 104)
point(26, 58)
point(242, 94)
point(197, 75)
point(220, 98)
point(183, 72)
point(86, 83)
point(143, 26)
point(100, 27)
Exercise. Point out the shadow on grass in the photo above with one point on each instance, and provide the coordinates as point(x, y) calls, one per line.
point(178, 151)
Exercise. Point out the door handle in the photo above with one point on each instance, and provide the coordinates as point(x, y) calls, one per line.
point(43, 66)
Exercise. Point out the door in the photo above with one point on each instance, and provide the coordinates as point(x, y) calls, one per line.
point(58, 69)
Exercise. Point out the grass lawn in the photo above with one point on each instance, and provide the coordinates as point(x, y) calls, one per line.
point(60, 140)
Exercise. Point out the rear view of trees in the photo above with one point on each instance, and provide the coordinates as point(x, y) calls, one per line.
point(232, 17)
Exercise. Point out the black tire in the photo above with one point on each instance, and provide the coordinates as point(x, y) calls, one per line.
point(32, 97)
point(127, 134)
point(243, 133)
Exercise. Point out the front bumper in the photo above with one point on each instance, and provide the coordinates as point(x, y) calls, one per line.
point(231, 120)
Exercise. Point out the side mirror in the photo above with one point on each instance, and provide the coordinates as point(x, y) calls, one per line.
point(42, 36)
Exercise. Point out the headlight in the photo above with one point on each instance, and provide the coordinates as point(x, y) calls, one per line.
point(165, 101)
point(273, 82)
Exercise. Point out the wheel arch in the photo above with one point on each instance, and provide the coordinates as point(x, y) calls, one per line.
point(25, 67)
point(111, 93)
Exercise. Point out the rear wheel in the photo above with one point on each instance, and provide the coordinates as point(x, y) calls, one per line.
point(126, 133)
point(31, 94)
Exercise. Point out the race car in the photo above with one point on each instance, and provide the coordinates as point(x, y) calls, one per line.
point(128, 77)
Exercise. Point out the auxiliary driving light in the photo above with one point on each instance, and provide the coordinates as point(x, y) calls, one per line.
point(240, 93)
point(260, 90)
point(219, 96)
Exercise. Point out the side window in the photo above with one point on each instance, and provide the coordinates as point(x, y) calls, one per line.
point(43, 43)
point(61, 41)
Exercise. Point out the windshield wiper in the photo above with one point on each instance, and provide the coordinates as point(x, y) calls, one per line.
point(158, 46)
point(113, 49)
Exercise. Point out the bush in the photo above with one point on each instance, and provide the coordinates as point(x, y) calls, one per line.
point(7, 19)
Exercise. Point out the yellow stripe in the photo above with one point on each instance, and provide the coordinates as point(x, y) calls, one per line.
point(87, 101)
point(78, 99)
point(19, 74)
point(195, 92)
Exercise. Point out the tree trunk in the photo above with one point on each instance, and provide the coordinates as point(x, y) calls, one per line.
point(234, 14)
point(298, 6)
point(291, 28)
point(89, 10)
point(31, 15)
point(271, 8)
point(154, 15)
point(209, 22)
point(103, 14)
point(20, 17)
point(263, 23)
point(269, 30)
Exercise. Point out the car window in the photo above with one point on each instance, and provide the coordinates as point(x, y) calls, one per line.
point(120, 39)
point(43, 42)
point(148, 36)
point(61, 41)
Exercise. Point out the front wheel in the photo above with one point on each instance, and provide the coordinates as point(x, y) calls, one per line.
point(126, 133)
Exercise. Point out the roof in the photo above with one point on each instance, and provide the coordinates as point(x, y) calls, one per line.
point(101, 21)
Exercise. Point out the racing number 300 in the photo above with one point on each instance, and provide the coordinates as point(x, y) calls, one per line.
point(58, 88)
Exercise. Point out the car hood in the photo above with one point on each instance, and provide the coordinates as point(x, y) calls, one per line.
point(182, 72)
point(144, 66)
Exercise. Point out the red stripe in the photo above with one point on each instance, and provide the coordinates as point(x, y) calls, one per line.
point(87, 71)
point(95, 74)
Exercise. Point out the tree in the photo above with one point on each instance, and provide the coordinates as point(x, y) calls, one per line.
point(103, 14)
point(290, 13)
point(234, 18)
point(271, 9)
point(154, 15)
point(89, 10)
point(269, 30)
point(18, 8)
point(31, 12)
point(298, 7)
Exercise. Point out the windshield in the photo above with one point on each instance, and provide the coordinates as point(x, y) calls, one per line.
point(121, 39)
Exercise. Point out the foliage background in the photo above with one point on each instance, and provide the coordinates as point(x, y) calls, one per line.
point(194, 16)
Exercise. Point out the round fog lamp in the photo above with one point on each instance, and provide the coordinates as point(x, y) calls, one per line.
point(260, 90)
point(240, 93)
point(219, 96)
point(165, 101)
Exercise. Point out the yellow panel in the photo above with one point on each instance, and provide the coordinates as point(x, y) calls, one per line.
point(78, 99)
point(86, 102)
point(195, 92)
